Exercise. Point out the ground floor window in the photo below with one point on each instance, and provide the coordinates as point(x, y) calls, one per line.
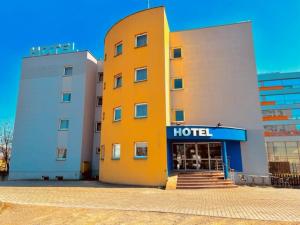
point(116, 151)
point(61, 154)
point(284, 156)
point(141, 150)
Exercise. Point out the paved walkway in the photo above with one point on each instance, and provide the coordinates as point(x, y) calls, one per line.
point(243, 202)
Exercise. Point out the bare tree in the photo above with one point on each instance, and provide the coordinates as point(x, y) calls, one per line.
point(6, 136)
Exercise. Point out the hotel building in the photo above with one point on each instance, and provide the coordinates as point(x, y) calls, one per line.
point(178, 101)
point(280, 103)
point(56, 133)
point(173, 101)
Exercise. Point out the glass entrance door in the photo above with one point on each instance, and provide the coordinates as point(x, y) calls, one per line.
point(203, 153)
point(197, 156)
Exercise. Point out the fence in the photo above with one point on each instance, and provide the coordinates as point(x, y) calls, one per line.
point(285, 180)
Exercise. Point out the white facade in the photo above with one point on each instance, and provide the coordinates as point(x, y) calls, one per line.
point(220, 85)
point(40, 109)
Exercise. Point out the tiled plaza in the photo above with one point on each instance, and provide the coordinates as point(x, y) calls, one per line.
point(262, 203)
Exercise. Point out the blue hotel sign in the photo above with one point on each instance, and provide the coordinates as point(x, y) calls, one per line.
point(206, 133)
point(52, 49)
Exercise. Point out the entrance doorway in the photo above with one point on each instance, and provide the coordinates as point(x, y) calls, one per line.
point(197, 156)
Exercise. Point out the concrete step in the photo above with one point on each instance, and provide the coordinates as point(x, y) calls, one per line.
point(203, 177)
point(204, 182)
point(206, 186)
point(202, 173)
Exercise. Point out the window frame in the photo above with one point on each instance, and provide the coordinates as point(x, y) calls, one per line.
point(175, 119)
point(96, 126)
point(97, 101)
point(135, 110)
point(116, 47)
point(135, 74)
point(62, 97)
point(102, 152)
point(135, 150)
point(173, 51)
point(63, 129)
point(99, 74)
point(173, 83)
point(60, 158)
point(114, 114)
point(115, 80)
point(98, 150)
point(139, 35)
point(113, 151)
point(68, 75)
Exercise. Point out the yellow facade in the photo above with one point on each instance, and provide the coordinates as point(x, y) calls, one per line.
point(154, 91)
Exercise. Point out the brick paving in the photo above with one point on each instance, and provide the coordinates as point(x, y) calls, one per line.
point(262, 203)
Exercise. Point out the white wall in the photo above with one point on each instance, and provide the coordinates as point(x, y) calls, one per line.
point(39, 109)
point(98, 110)
point(220, 85)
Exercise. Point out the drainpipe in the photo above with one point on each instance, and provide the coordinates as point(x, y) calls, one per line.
point(225, 161)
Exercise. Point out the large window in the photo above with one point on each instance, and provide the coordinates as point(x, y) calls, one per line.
point(63, 124)
point(61, 154)
point(116, 151)
point(117, 114)
point(282, 99)
point(141, 110)
point(66, 97)
point(179, 115)
point(141, 150)
point(141, 74)
point(176, 53)
point(118, 49)
point(141, 40)
point(68, 71)
point(118, 81)
point(285, 151)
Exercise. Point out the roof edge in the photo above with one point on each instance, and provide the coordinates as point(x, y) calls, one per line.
point(213, 26)
point(130, 16)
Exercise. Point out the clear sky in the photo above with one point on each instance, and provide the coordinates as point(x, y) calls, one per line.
point(24, 24)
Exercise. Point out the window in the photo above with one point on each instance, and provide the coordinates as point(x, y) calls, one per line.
point(68, 71)
point(177, 83)
point(64, 124)
point(102, 152)
point(98, 127)
point(141, 74)
point(97, 150)
point(117, 114)
point(66, 97)
point(100, 77)
point(118, 49)
point(116, 151)
point(141, 110)
point(61, 154)
point(179, 115)
point(99, 101)
point(176, 53)
point(141, 40)
point(118, 81)
point(141, 150)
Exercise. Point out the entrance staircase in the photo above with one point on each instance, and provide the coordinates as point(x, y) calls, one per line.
point(198, 180)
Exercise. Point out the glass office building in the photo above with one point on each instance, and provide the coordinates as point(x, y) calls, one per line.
point(280, 103)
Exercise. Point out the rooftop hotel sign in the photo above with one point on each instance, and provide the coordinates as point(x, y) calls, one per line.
point(198, 133)
point(52, 49)
point(194, 131)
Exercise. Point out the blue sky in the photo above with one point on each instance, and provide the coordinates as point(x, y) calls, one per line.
point(276, 29)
